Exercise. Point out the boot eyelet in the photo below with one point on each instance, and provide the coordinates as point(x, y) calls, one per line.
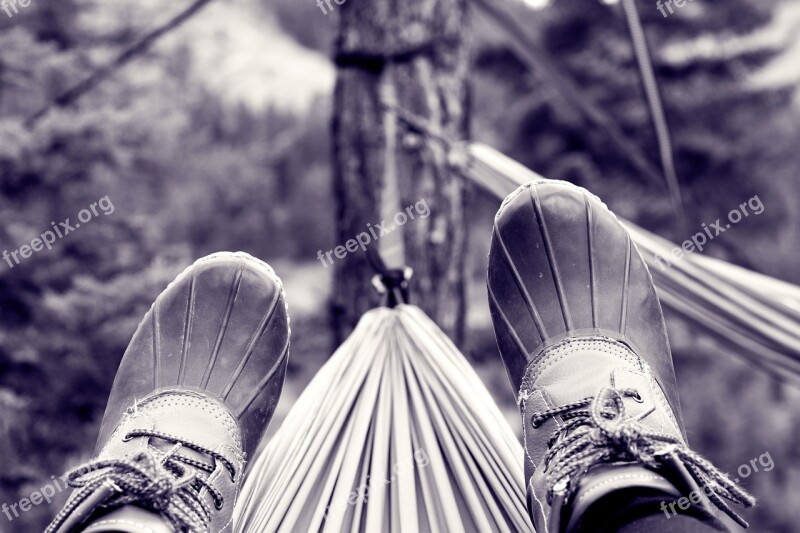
point(127, 438)
point(535, 422)
point(637, 397)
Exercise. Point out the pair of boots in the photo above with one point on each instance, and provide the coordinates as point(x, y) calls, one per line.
point(579, 327)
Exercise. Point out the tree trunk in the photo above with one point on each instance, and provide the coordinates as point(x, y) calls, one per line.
point(414, 52)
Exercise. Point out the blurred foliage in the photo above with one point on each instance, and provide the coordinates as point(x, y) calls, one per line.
point(190, 173)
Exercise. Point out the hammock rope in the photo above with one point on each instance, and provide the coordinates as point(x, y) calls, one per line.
point(392, 246)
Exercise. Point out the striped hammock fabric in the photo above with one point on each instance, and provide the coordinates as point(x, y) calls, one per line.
point(757, 315)
point(395, 433)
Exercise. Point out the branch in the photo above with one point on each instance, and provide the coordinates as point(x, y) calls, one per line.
point(653, 93)
point(71, 95)
point(536, 58)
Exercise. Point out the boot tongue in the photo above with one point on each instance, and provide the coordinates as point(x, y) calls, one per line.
point(605, 479)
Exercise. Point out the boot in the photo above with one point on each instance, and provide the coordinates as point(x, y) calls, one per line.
point(583, 339)
point(193, 395)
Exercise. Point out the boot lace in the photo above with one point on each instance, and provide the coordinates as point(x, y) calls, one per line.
point(168, 484)
point(596, 430)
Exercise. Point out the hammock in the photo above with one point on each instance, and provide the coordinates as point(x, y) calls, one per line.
point(395, 433)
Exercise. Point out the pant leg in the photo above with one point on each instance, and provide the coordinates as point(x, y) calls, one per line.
point(637, 512)
point(660, 524)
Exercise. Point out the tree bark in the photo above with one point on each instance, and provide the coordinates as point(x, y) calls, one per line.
point(416, 50)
